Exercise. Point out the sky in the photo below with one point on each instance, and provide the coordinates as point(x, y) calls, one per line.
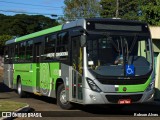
point(44, 7)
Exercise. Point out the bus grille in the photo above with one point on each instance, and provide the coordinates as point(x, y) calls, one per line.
point(122, 81)
point(116, 98)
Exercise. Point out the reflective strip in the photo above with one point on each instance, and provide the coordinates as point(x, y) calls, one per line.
point(59, 54)
point(59, 72)
point(116, 86)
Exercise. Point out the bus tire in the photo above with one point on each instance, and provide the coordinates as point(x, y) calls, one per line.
point(61, 98)
point(20, 92)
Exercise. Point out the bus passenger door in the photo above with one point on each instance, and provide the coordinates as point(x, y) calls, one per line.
point(77, 69)
point(37, 58)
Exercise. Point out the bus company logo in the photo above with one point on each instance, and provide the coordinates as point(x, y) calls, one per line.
point(124, 89)
point(14, 114)
point(56, 72)
point(6, 114)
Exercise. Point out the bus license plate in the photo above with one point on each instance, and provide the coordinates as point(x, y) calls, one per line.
point(124, 101)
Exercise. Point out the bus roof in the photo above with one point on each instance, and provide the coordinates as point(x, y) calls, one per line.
point(10, 41)
point(39, 33)
point(82, 22)
point(79, 22)
point(115, 20)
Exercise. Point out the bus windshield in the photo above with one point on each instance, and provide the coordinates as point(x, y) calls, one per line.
point(109, 53)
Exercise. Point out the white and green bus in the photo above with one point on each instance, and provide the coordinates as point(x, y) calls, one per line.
point(87, 61)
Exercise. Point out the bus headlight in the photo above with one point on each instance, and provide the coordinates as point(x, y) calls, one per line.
point(93, 86)
point(151, 86)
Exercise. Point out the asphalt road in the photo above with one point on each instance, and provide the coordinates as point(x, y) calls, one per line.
point(49, 110)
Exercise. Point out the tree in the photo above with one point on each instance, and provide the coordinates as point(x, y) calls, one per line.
point(108, 8)
point(22, 24)
point(3, 39)
point(75, 9)
point(150, 10)
point(144, 10)
point(126, 9)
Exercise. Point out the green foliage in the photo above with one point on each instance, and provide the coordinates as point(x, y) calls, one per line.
point(108, 8)
point(22, 24)
point(75, 9)
point(151, 11)
point(3, 39)
point(126, 10)
point(145, 10)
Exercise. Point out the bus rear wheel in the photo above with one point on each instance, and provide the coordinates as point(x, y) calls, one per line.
point(20, 92)
point(61, 98)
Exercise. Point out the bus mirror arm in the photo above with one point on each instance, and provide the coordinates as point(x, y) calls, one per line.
point(83, 37)
point(83, 31)
point(83, 40)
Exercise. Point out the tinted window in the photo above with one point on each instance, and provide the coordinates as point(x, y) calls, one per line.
point(6, 55)
point(62, 46)
point(16, 57)
point(22, 54)
point(50, 45)
point(29, 48)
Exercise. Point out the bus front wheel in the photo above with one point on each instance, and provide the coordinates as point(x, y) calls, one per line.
point(20, 92)
point(61, 98)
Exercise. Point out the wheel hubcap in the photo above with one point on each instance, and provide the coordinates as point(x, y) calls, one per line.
point(19, 88)
point(63, 97)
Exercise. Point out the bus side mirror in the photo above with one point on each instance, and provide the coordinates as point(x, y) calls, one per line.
point(83, 40)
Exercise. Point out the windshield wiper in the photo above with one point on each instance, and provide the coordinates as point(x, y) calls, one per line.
point(113, 43)
point(133, 44)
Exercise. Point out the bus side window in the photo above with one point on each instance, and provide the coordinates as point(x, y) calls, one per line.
point(6, 55)
point(22, 52)
point(11, 54)
point(50, 43)
point(16, 57)
point(29, 49)
point(62, 46)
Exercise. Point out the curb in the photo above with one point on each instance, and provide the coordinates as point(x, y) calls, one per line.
point(24, 109)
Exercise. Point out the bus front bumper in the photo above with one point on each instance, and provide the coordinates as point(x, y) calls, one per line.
point(92, 97)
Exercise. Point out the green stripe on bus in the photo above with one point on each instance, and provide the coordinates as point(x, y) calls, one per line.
point(43, 32)
point(134, 88)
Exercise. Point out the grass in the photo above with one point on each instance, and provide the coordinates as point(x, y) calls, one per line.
point(10, 105)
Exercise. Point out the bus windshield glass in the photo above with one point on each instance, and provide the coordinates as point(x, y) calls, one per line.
point(109, 54)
